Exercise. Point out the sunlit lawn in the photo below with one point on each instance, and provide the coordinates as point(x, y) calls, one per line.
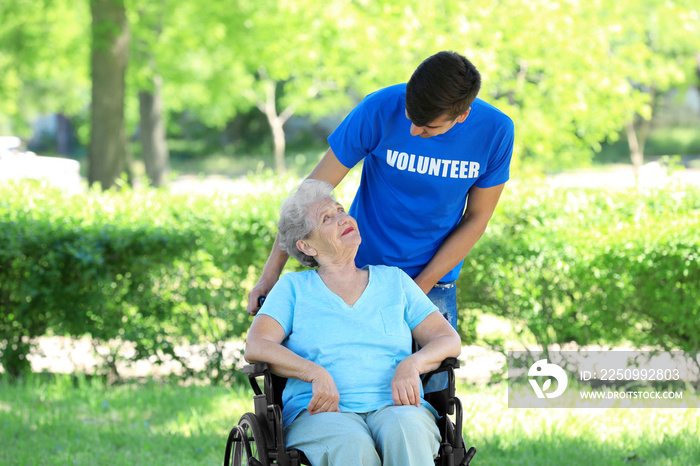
point(57, 423)
point(88, 423)
point(578, 436)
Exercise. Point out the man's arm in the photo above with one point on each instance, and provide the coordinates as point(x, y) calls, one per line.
point(270, 274)
point(480, 206)
point(330, 170)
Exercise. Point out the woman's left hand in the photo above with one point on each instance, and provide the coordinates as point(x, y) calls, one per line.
point(405, 386)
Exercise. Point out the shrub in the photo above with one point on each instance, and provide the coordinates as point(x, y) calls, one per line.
point(591, 266)
point(148, 267)
point(157, 270)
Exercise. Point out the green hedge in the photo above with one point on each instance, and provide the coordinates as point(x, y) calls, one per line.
point(158, 270)
point(592, 266)
point(148, 267)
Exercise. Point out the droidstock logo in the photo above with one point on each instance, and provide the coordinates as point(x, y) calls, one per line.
point(542, 368)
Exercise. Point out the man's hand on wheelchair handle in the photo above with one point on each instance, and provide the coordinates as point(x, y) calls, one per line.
point(325, 393)
point(261, 289)
point(405, 386)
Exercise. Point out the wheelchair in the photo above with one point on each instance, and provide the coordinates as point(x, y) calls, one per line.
point(258, 438)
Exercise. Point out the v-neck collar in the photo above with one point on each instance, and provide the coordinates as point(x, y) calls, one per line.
point(338, 298)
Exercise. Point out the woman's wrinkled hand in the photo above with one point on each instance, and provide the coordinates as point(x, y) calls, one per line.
point(405, 386)
point(325, 393)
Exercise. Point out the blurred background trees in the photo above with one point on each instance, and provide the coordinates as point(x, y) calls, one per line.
point(137, 88)
point(231, 76)
point(44, 57)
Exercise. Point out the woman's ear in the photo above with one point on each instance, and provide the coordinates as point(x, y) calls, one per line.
point(306, 248)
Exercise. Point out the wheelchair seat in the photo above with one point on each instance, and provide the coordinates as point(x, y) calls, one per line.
point(258, 438)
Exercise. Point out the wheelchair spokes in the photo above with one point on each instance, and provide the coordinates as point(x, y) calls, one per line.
point(234, 437)
point(248, 442)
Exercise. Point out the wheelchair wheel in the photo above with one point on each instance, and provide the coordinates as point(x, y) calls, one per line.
point(251, 447)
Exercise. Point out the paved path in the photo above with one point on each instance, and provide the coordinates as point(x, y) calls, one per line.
point(65, 355)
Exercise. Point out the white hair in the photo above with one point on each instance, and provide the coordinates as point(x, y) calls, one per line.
point(294, 224)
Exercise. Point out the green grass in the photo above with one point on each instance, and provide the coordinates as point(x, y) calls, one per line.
point(89, 423)
point(79, 422)
point(576, 436)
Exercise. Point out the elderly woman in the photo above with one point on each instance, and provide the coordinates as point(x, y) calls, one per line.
point(343, 337)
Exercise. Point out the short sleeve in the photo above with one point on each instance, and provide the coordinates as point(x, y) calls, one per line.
point(280, 302)
point(418, 305)
point(498, 171)
point(355, 137)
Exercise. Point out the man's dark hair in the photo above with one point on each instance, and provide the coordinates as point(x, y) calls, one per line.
point(444, 84)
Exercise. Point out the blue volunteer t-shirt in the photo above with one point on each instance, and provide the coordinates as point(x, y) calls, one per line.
point(413, 191)
point(359, 345)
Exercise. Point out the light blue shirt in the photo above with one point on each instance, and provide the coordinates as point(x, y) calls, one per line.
point(360, 345)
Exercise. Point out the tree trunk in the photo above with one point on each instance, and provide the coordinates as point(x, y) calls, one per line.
point(636, 154)
point(276, 121)
point(637, 131)
point(63, 135)
point(697, 69)
point(280, 144)
point(152, 135)
point(108, 151)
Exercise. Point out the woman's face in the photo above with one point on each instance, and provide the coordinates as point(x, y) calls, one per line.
point(335, 232)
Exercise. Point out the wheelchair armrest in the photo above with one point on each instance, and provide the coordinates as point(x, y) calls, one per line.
point(443, 400)
point(448, 365)
point(451, 362)
point(258, 369)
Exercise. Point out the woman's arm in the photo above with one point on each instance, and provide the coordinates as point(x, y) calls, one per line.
point(264, 344)
point(438, 341)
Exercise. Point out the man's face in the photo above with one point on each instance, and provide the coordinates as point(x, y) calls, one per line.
point(437, 127)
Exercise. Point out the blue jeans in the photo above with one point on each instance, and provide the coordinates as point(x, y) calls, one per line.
point(444, 296)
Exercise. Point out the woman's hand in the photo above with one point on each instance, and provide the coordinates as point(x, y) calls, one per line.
point(325, 393)
point(405, 386)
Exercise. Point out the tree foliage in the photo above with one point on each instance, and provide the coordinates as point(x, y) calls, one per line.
point(570, 73)
point(44, 50)
point(654, 52)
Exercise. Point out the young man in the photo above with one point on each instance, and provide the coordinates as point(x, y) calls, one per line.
point(429, 147)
